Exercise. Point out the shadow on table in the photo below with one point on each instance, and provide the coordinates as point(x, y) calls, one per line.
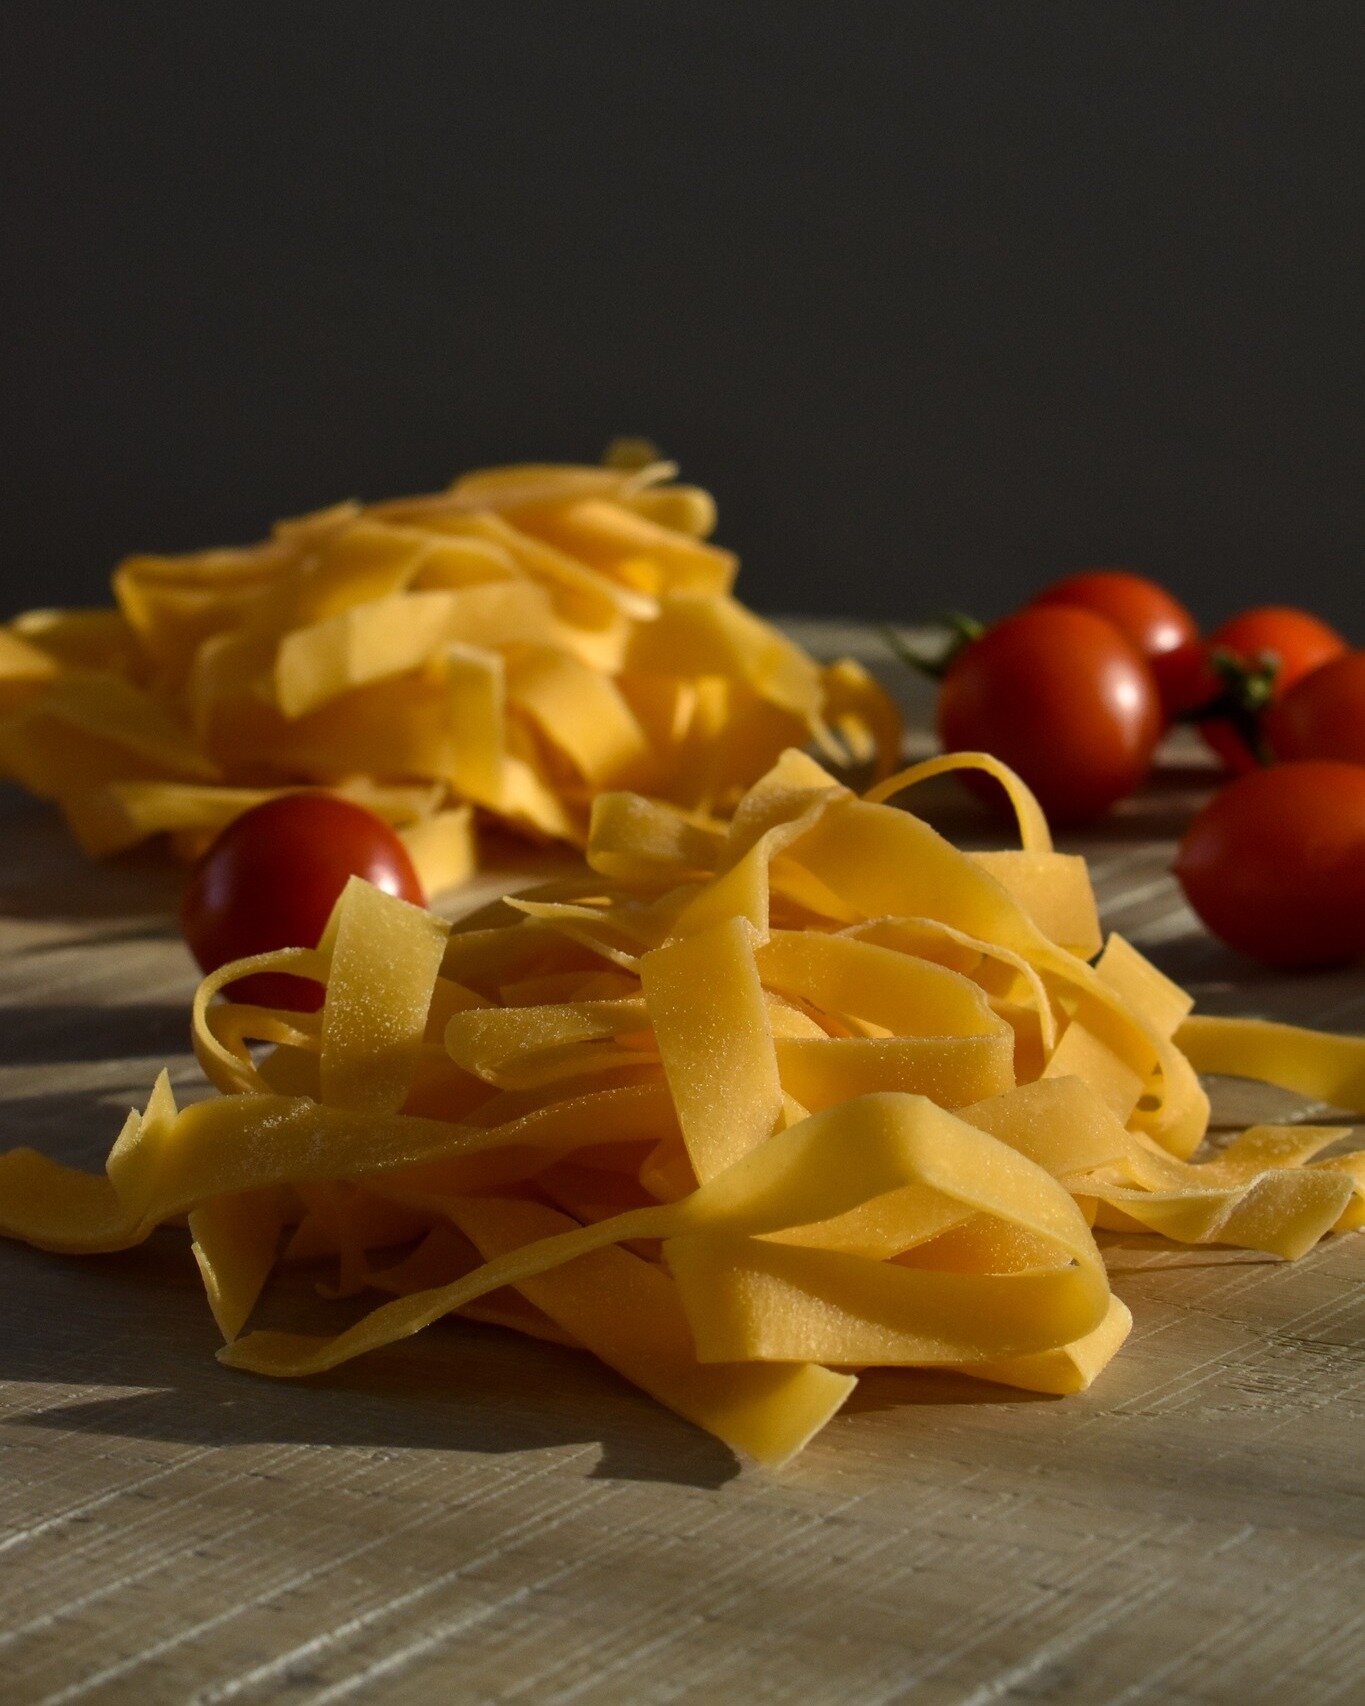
point(59, 1032)
point(895, 1388)
point(113, 1056)
point(140, 1321)
point(45, 877)
point(75, 1127)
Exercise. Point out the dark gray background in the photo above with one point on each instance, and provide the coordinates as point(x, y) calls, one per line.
point(940, 298)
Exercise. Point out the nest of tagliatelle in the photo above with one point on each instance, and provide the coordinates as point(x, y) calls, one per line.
point(743, 1108)
point(509, 648)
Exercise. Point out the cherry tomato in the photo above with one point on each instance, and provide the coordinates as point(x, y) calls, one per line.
point(1064, 698)
point(1322, 716)
point(1158, 625)
point(271, 878)
point(1275, 864)
point(1298, 641)
point(1191, 680)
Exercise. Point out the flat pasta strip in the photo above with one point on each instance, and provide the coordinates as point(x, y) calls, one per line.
point(235, 1241)
point(718, 1054)
point(384, 960)
point(628, 1313)
point(1328, 1068)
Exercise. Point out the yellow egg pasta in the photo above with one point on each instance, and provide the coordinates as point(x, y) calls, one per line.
point(743, 1107)
point(510, 647)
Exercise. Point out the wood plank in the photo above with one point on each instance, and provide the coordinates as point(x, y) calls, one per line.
point(468, 1517)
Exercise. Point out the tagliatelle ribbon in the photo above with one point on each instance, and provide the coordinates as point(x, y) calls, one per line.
point(515, 644)
point(743, 1107)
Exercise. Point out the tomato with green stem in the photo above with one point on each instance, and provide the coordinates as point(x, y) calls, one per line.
point(1251, 661)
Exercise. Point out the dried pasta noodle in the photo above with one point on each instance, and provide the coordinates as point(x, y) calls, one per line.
point(742, 1108)
point(511, 646)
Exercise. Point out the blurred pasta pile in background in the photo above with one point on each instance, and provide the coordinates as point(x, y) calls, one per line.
point(515, 645)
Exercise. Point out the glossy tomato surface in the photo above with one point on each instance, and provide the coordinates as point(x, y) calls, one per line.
point(1158, 625)
point(1299, 643)
point(271, 878)
point(1064, 698)
point(1322, 716)
point(1275, 864)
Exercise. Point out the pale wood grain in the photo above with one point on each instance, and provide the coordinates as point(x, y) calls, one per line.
point(469, 1517)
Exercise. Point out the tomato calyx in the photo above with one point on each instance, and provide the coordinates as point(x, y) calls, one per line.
point(1248, 689)
point(950, 636)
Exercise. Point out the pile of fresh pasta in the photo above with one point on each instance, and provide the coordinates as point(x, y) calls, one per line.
point(744, 1108)
point(514, 645)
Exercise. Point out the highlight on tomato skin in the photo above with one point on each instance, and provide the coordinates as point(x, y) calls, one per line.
point(271, 879)
point(1296, 640)
point(1062, 697)
point(1274, 864)
point(1157, 623)
point(1323, 715)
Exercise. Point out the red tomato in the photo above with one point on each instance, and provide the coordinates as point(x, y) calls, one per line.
point(1275, 864)
point(1191, 680)
point(1298, 642)
point(270, 881)
point(1322, 716)
point(1064, 698)
point(1158, 625)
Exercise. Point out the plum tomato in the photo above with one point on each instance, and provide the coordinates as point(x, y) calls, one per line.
point(1158, 625)
point(1298, 643)
point(271, 878)
point(1064, 698)
point(1275, 864)
point(1323, 715)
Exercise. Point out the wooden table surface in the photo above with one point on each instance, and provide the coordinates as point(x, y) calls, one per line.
point(470, 1517)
